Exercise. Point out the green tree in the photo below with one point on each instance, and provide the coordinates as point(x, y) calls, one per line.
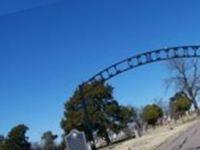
point(2, 140)
point(103, 111)
point(127, 114)
point(151, 113)
point(48, 139)
point(164, 105)
point(16, 139)
point(179, 104)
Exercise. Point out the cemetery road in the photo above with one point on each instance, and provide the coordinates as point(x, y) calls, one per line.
point(187, 140)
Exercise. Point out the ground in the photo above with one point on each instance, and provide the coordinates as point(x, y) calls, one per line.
point(163, 138)
point(187, 140)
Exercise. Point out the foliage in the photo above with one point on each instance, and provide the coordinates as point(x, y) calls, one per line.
point(151, 113)
point(185, 76)
point(103, 112)
point(16, 139)
point(179, 104)
point(48, 139)
point(127, 114)
point(2, 140)
point(164, 105)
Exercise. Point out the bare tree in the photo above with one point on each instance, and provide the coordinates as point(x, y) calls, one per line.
point(185, 77)
point(162, 104)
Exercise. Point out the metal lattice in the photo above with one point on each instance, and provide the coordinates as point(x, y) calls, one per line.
point(133, 62)
point(145, 58)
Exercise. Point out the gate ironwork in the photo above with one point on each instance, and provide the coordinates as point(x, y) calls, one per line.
point(145, 58)
point(125, 65)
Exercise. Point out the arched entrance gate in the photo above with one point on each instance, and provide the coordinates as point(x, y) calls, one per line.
point(190, 51)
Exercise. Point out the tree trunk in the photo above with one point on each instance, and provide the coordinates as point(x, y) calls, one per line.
point(192, 96)
point(107, 138)
point(196, 107)
point(90, 138)
point(93, 147)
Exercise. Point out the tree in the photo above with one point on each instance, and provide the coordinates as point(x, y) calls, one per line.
point(164, 105)
point(48, 139)
point(62, 144)
point(2, 140)
point(186, 77)
point(179, 104)
point(103, 112)
point(127, 114)
point(151, 113)
point(36, 146)
point(16, 139)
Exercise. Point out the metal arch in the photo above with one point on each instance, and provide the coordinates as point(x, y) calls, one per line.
point(133, 62)
point(145, 58)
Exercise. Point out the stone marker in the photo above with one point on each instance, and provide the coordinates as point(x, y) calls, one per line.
point(76, 140)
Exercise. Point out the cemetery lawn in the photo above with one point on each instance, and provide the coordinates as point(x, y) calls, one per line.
point(153, 139)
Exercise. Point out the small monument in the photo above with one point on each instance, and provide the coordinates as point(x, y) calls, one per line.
point(76, 140)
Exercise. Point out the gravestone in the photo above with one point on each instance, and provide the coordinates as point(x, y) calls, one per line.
point(76, 140)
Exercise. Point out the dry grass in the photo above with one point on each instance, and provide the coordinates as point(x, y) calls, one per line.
point(154, 138)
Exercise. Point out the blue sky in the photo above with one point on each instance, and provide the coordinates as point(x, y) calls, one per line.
point(48, 47)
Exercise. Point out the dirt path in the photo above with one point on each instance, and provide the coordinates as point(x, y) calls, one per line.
point(152, 140)
point(187, 140)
